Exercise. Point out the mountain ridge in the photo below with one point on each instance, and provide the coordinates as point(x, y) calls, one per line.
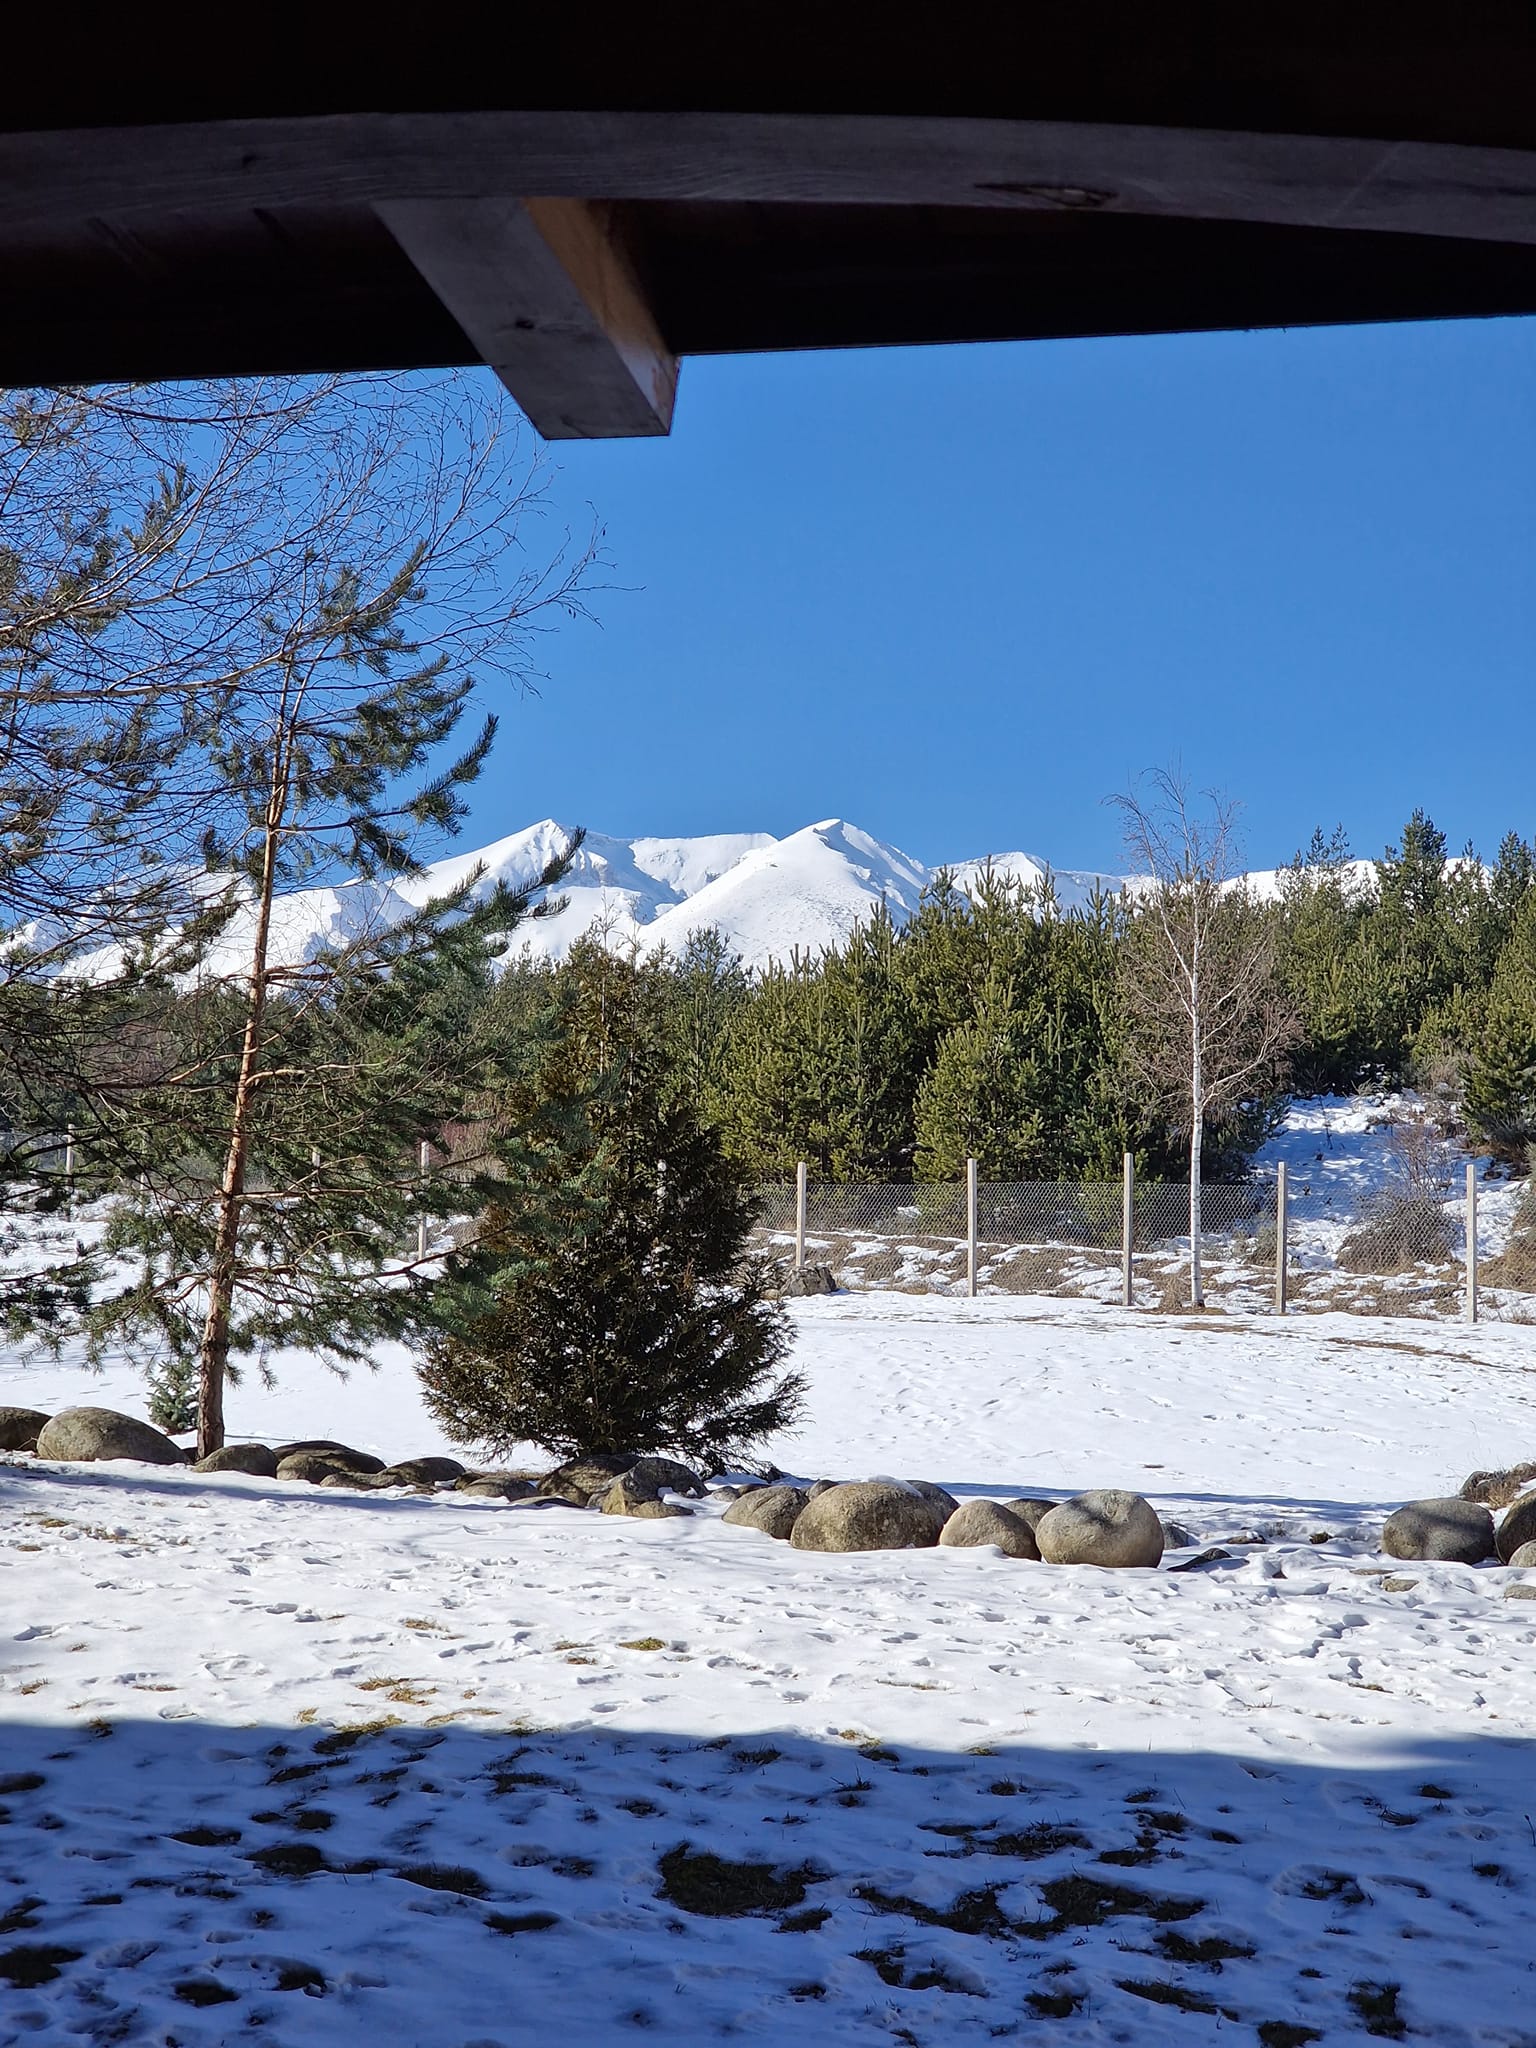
point(768, 897)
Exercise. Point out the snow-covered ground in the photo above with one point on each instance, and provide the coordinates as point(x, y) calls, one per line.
point(303, 1766)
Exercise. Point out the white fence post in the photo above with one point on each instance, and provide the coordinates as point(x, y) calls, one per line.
point(1282, 1198)
point(1127, 1231)
point(1471, 1241)
point(800, 1216)
point(423, 1162)
point(970, 1227)
point(69, 1154)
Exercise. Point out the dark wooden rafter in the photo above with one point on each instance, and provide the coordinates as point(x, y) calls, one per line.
point(547, 293)
point(1465, 190)
point(786, 176)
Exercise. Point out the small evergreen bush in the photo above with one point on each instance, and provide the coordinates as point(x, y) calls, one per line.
point(610, 1303)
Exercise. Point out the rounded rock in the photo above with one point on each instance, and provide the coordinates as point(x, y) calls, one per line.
point(420, 1472)
point(579, 1478)
point(1030, 1509)
point(256, 1460)
point(625, 1495)
point(943, 1504)
point(496, 1485)
point(20, 1428)
point(85, 1436)
point(773, 1509)
point(872, 1514)
point(666, 1475)
point(342, 1456)
point(977, 1522)
point(1525, 1555)
point(311, 1466)
point(659, 1510)
point(1454, 1531)
point(1109, 1528)
point(1517, 1527)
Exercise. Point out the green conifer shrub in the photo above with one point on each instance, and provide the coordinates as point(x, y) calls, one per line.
point(609, 1303)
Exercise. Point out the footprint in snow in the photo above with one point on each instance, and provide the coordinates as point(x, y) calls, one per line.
point(233, 1667)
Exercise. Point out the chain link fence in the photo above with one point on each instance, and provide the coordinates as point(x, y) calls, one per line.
point(1265, 1245)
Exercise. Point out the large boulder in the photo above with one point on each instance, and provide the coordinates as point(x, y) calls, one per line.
point(1497, 1489)
point(1525, 1555)
point(258, 1460)
point(872, 1514)
point(496, 1485)
point(626, 1495)
point(659, 1510)
point(342, 1456)
point(20, 1428)
point(773, 1509)
point(1517, 1527)
point(1107, 1528)
point(1455, 1530)
point(942, 1504)
point(420, 1472)
point(579, 1478)
point(803, 1280)
point(306, 1443)
point(666, 1475)
point(84, 1436)
point(314, 1466)
point(1030, 1509)
point(977, 1522)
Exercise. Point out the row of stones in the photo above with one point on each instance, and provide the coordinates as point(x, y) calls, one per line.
point(91, 1435)
point(1107, 1527)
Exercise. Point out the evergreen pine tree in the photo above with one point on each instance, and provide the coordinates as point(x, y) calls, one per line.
point(770, 1099)
point(610, 1304)
point(279, 1122)
point(1500, 1097)
point(979, 1100)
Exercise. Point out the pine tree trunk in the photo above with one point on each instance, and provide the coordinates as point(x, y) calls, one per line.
point(213, 1356)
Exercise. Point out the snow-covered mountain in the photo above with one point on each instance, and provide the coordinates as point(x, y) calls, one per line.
point(767, 897)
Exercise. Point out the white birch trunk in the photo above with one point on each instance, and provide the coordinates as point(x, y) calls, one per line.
point(1196, 1134)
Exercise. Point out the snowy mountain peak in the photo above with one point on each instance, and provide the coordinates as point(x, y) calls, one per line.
point(768, 898)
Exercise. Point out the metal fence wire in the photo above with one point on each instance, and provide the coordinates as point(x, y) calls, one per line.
point(1395, 1250)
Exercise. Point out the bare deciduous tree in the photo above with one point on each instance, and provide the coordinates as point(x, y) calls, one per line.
point(1208, 1024)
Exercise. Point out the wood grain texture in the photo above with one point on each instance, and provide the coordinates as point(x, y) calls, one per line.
point(546, 292)
point(51, 179)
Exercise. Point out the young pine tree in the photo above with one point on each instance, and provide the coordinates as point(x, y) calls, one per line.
point(290, 1084)
point(610, 1304)
point(1501, 1073)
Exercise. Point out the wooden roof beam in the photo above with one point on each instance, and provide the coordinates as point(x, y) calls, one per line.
point(546, 292)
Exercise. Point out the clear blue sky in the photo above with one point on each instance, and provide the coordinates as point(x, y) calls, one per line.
point(959, 595)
